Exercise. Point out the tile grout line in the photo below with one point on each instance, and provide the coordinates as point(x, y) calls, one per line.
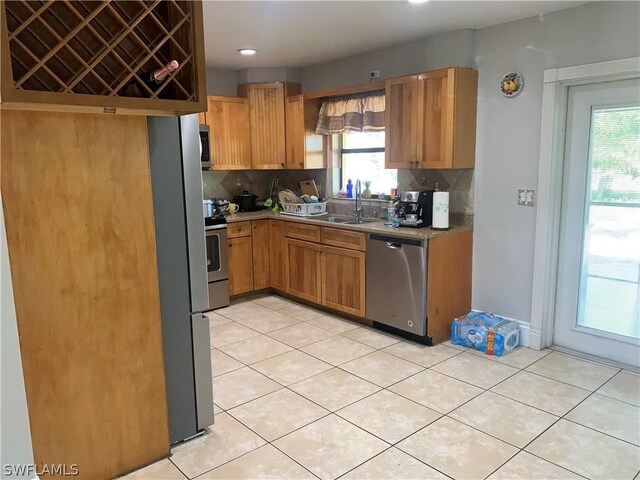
point(334, 412)
point(381, 388)
point(177, 467)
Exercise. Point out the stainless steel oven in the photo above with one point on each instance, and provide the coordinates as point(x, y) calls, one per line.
point(217, 265)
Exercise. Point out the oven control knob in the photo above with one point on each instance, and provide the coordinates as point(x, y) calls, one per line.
point(410, 323)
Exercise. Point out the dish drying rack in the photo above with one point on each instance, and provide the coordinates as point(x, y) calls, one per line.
point(296, 206)
point(304, 209)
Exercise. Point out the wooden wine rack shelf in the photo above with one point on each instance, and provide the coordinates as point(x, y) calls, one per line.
point(79, 55)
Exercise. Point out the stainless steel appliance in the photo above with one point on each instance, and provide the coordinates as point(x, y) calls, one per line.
point(217, 264)
point(397, 285)
point(205, 147)
point(176, 179)
point(416, 209)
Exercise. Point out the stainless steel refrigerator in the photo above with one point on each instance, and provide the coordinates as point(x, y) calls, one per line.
point(176, 177)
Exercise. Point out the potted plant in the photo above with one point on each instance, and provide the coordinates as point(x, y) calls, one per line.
point(367, 193)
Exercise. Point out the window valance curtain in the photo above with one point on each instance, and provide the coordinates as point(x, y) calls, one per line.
point(361, 113)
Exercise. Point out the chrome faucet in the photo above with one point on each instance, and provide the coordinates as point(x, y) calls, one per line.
point(358, 209)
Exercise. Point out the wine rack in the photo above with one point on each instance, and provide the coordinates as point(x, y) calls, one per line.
point(81, 54)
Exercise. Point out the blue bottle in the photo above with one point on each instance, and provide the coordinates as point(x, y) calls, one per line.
point(349, 189)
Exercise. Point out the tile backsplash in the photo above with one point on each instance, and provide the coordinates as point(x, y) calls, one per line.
point(226, 184)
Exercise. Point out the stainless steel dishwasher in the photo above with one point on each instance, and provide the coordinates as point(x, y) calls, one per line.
point(397, 285)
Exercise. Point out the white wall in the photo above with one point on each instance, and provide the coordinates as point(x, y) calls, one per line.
point(266, 75)
point(222, 82)
point(15, 436)
point(508, 135)
point(431, 53)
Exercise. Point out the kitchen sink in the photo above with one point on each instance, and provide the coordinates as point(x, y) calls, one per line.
point(336, 219)
point(362, 220)
point(347, 220)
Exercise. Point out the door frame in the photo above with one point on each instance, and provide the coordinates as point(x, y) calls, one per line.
point(552, 141)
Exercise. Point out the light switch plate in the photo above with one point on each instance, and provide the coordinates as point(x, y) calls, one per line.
point(526, 197)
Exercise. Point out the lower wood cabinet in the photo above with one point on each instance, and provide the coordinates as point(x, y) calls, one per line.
point(250, 255)
point(240, 265)
point(278, 255)
point(304, 269)
point(261, 252)
point(327, 275)
point(343, 280)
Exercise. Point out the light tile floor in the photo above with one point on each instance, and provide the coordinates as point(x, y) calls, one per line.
point(300, 394)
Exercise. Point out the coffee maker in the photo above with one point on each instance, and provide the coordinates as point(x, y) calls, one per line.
point(416, 208)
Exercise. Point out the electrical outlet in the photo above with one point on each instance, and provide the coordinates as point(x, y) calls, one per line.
point(526, 197)
point(373, 74)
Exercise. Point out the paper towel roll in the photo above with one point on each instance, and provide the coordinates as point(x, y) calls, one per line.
point(441, 210)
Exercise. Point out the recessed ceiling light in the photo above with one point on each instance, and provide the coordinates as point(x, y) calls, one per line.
point(247, 51)
point(418, 1)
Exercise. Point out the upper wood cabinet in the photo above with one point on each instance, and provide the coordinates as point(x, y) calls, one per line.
point(78, 56)
point(267, 106)
point(430, 119)
point(228, 120)
point(305, 148)
point(266, 120)
point(401, 122)
point(447, 123)
point(295, 131)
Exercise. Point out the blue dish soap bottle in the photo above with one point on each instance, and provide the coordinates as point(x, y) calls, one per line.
point(349, 189)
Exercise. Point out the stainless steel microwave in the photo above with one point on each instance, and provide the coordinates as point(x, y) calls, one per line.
point(205, 147)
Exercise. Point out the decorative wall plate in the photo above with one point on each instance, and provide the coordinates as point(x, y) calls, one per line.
point(511, 84)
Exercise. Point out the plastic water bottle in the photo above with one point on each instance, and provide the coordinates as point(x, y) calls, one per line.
point(391, 213)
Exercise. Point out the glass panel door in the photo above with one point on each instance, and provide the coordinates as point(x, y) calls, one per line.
point(609, 290)
point(597, 298)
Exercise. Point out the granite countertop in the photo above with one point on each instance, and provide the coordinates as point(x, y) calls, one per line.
point(373, 227)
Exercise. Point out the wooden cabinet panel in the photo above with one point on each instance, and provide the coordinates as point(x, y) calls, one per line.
point(278, 255)
point(240, 265)
point(238, 229)
point(305, 148)
point(86, 289)
point(343, 280)
point(266, 117)
point(315, 146)
point(302, 231)
point(202, 117)
point(449, 282)
point(304, 275)
point(401, 122)
point(295, 132)
point(344, 238)
point(261, 252)
point(447, 126)
point(228, 120)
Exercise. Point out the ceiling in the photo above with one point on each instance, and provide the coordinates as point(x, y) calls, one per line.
point(302, 33)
